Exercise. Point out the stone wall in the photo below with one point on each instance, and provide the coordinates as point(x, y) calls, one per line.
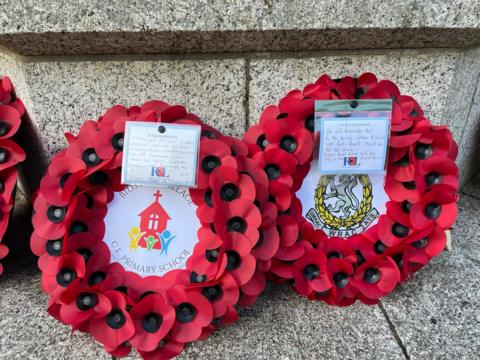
point(226, 60)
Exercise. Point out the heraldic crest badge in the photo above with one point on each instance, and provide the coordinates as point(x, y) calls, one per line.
point(343, 205)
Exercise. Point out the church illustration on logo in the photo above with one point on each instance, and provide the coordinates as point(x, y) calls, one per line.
point(152, 233)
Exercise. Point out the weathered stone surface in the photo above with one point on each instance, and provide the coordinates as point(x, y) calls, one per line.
point(280, 326)
point(466, 105)
point(283, 325)
point(65, 94)
point(425, 75)
point(54, 27)
point(436, 313)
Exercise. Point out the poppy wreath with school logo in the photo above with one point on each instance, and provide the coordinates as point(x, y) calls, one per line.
point(156, 314)
point(337, 246)
point(11, 112)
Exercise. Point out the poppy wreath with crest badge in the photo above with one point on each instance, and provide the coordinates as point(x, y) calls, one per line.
point(145, 268)
point(355, 237)
point(12, 111)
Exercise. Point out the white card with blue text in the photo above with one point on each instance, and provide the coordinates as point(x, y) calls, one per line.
point(353, 145)
point(158, 154)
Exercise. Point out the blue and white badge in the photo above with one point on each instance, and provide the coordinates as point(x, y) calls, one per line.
point(158, 154)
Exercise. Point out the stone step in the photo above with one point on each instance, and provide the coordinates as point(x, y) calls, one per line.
point(94, 27)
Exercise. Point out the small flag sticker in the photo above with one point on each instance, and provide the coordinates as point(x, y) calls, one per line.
point(159, 171)
point(349, 161)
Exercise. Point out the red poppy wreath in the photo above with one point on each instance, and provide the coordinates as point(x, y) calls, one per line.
point(109, 254)
point(389, 230)
point(11, 112)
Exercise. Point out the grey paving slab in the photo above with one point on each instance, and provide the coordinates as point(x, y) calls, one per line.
point(437, 314)
point(280, 326)
point(45, 26)
point(65, 94)
point(283, 325)
point(470, 140)
point(472, 188)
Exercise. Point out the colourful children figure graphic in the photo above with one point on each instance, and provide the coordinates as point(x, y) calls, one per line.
point(153, 221)
point(135, 236)
point(151, 240)
point(166, 238)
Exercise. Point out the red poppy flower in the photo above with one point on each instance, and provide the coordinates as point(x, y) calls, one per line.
point(49, 220)
point(296, 141)
point(267, 244)
point(392, 231)
point(311, 273)
point(62, 177)
point(240, 262)
point(227, 185)
point(336, 247)
point(117, 326)
point(208, 256)
point(205, 209)
point(367, 246)
point(153, 318)
point(9, 121)
point(120, 351)
point(301, 106)
point(3, 253)
point(436, 170)
point(438, 207)
point(281, 194)
point(341, 272)
point(425, 245)
point(213, 153)
point(238, 147)
point(221, 293)
point(278, 165)
point(6, 89)
point(81, 304)
point(67, 272)
point(276, 123)
point(193, 312)
point(117, 116)
point(83, 148)
point(10, 154)
point(253, 288)
point(255, 139)
point(377, 279)
point(166, 349)
point(247, 166)
point(401, 166)
point(240, 216)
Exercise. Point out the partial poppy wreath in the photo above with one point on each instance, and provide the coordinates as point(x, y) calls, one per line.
point(11, 112)
point(154, 315)
point(421, 183)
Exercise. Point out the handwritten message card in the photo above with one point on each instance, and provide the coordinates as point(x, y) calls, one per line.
point(353, 145)
point(158, 154)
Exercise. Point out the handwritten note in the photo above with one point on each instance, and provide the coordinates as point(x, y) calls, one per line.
point(353, 145)
point(160, 154)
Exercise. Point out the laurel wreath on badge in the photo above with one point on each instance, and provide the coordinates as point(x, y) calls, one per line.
point(342, 260)
point(337, 222)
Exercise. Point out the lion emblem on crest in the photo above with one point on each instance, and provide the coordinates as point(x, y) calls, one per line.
point(342, 208)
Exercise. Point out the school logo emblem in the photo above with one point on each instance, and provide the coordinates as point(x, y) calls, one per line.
point(343, 205)
point(152, 232)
